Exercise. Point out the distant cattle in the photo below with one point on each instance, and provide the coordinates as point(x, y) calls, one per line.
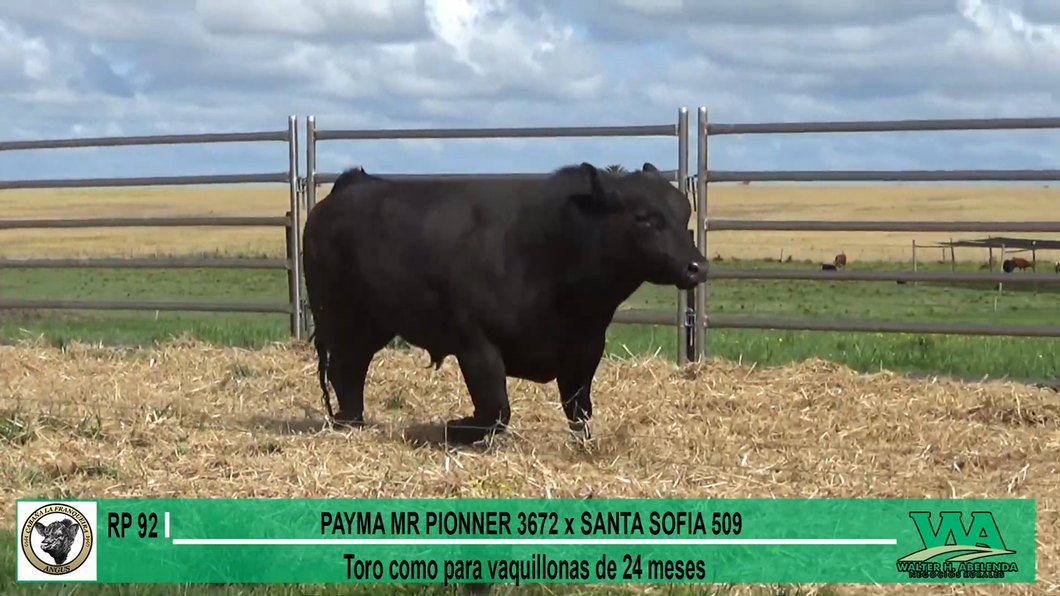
point(1056, 267)
point(841, 260)
point(828, 267)
point(515, 277)
point(1016, 263)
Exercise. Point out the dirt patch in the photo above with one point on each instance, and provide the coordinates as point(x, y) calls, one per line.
point(193, 420)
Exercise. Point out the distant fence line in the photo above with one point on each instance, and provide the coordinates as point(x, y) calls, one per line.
point(704, 176)
point(289, 221)
point(690, 318)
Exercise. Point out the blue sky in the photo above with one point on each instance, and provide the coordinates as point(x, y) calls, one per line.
point(125, 67)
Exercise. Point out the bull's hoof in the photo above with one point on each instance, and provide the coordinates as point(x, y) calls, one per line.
point(468, 430)
point(579, 429)
point(348, 420)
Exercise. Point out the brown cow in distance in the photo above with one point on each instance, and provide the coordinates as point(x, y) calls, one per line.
point(841, 260)
point(1021, 263)
point(1016, 263)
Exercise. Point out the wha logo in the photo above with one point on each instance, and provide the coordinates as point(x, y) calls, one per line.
point(963, 548)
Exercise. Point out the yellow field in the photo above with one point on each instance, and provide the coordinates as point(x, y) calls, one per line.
point(726, 201)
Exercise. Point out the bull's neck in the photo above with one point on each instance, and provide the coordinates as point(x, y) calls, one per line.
point(590, 269)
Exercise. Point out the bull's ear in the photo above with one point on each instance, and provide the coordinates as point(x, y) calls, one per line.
point(599, 199)
point(595, 184)
point(39, 527)
point(649, 168)
point(72, 528)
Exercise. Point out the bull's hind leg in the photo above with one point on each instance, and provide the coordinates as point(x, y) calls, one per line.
point(484, 375)
point(348, 370)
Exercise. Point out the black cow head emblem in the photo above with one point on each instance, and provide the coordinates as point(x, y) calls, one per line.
point(58, 538)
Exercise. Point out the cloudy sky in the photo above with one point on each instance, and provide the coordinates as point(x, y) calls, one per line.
point(117, 67)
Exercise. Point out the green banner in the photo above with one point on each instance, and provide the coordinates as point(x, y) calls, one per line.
point(527, 540)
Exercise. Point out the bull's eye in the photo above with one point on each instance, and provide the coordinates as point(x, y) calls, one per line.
point(649, 220)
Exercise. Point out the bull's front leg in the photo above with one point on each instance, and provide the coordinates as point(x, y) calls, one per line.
point(484, 375)
point(575, 383)
point(574, 392)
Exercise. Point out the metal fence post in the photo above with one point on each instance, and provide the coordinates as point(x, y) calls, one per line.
point(310, 188)
point(294, 250)
point(310, 163)
point(701, 232)
point(307, 316)
point(684, 331)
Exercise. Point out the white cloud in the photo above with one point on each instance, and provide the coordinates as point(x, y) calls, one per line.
point(377, 20)
point(74, 68)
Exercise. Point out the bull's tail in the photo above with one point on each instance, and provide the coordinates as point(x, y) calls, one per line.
point(314, 278)
point(322, 374)
point(321, 271)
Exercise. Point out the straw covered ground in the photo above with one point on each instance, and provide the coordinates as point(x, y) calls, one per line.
point(193, 420)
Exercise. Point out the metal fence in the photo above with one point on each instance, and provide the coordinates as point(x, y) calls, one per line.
point(289, 222)
point(704, 175)
point(690, 317)
point(683, 319)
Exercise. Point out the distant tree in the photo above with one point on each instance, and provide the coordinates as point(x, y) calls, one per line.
point(615, 169)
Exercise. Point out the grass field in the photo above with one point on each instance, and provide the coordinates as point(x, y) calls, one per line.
point(1037, 358)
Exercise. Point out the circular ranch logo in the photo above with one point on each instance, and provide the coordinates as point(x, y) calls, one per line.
point(56, 539)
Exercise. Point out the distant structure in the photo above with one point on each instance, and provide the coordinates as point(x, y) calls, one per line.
point(1010, 245)
point(1017, 244)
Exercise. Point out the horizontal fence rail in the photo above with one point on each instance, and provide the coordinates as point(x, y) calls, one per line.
point(955, 124)
point(741, 322)
point(144, 181)
point(144, 222)
point(168, 305)
point(907, 276)
point(882, 226)
point(181, 139)
point(144, 263)
point(329, 178)
point(290, 222)
point(883, 176)
point(682, 319)
point(705, 176)
point(541, 132)
point(637, 316)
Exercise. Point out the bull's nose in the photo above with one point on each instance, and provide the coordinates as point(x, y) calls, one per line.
point(697, 271)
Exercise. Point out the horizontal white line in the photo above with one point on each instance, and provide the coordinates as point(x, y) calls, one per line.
point(530, 541)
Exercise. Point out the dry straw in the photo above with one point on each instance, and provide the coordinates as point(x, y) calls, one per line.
point(192, 420)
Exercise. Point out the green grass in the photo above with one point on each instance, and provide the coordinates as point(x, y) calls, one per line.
point(10, 587)
point(1036, 358)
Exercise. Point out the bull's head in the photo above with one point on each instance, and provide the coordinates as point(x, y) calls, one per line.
point(58, 538)
point(646, 219)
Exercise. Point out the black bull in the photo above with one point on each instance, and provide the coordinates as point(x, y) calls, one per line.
point(516, 278)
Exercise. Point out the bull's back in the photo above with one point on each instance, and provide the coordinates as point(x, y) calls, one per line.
point(437, 262)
